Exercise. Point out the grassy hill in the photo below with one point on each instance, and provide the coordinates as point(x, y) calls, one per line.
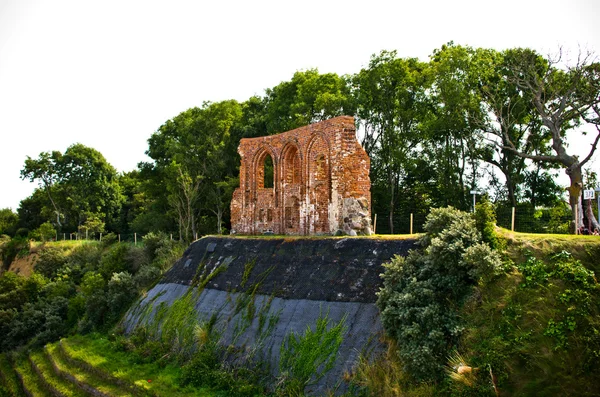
point(534, 329)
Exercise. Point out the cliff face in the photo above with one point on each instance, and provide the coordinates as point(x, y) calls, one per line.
point(292, 282)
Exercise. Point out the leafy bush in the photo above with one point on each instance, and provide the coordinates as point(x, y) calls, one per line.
point(44, 233)
point(86, 256)
point(485, 219)
point(422, 293)
point(93, 289)
point(18, 245)
point(161, 250)
point(121, 258)
point(121, 293)
point(50, 261)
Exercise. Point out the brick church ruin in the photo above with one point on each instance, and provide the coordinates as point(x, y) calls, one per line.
point(311, 180)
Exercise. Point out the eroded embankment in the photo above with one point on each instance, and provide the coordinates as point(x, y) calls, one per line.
point(289, 284)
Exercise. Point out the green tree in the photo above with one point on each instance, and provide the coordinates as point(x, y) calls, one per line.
point(307, 98)
point(454, 139)
point(43, 169)
point(45, 232)
point(510, 117)
point(8, 221)
point(192, 157)
point(389, 100)
point(80, 184)
point(565, 96)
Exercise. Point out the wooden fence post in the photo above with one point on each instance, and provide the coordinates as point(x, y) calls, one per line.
point(512, 222)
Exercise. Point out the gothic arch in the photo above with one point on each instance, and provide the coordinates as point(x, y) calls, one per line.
point(257, 173)
point(291, 187)
point(318, 171)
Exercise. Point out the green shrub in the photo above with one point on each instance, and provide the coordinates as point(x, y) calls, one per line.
point(87, 257)
point(109, 239)
point(17, 246)
point(121, 294)
point(50, 261)
point(422, 293)
point(161, 250)
point(44, 233)
point(485, 220)
point(121, 258)
point(93, 289)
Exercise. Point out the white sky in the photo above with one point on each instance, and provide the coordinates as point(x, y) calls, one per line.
point(108, 73)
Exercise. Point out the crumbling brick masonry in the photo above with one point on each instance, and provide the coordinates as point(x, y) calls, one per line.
point(311, 180)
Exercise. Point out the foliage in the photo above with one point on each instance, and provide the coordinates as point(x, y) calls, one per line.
point(383, 375)
point(44, 233)
point(485, 220)
point(8, 221)
point(80, 185)
point(422, 293)
point(17, 246)
point(306, 358)
point(50, 261)
point(161, 250)
point(81, 287)
point(537, 326)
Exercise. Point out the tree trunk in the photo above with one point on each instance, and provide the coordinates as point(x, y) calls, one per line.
point(391, 201)
point(219, 220)
point(510, 187)
point(575, 176)
point(592, 224)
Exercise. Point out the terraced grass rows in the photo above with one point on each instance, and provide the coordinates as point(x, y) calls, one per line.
point(29, 380)
point(148, 378)
point(56, 385)
point(9, 381)
point(81, 376)
point(89, 367)
point(52, 372)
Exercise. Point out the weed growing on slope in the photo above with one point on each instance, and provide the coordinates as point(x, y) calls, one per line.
point(306, 358)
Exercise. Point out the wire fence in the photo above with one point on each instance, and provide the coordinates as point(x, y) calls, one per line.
point(519, 219)
point(522, 219)
point(135, 238)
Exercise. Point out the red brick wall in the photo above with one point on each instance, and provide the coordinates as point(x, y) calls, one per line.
point(321, 182)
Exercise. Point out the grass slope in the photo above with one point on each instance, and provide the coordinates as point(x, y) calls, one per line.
point(82, 375)
point(31, 382)
point(9, 382)
point(52, 381)
point(538, 325)
point(99, 353)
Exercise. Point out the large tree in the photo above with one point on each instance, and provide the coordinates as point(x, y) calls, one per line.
point(80, 184)
point(453, 136)
point(307, 98)
point(566, 97)
point(388, 96)
point(8, 221)
point(192, 157)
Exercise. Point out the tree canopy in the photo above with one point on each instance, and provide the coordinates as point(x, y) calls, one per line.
point(468, 118)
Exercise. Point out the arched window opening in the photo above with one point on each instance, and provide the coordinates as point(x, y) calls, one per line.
point(268, 181)
point(292, 166)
